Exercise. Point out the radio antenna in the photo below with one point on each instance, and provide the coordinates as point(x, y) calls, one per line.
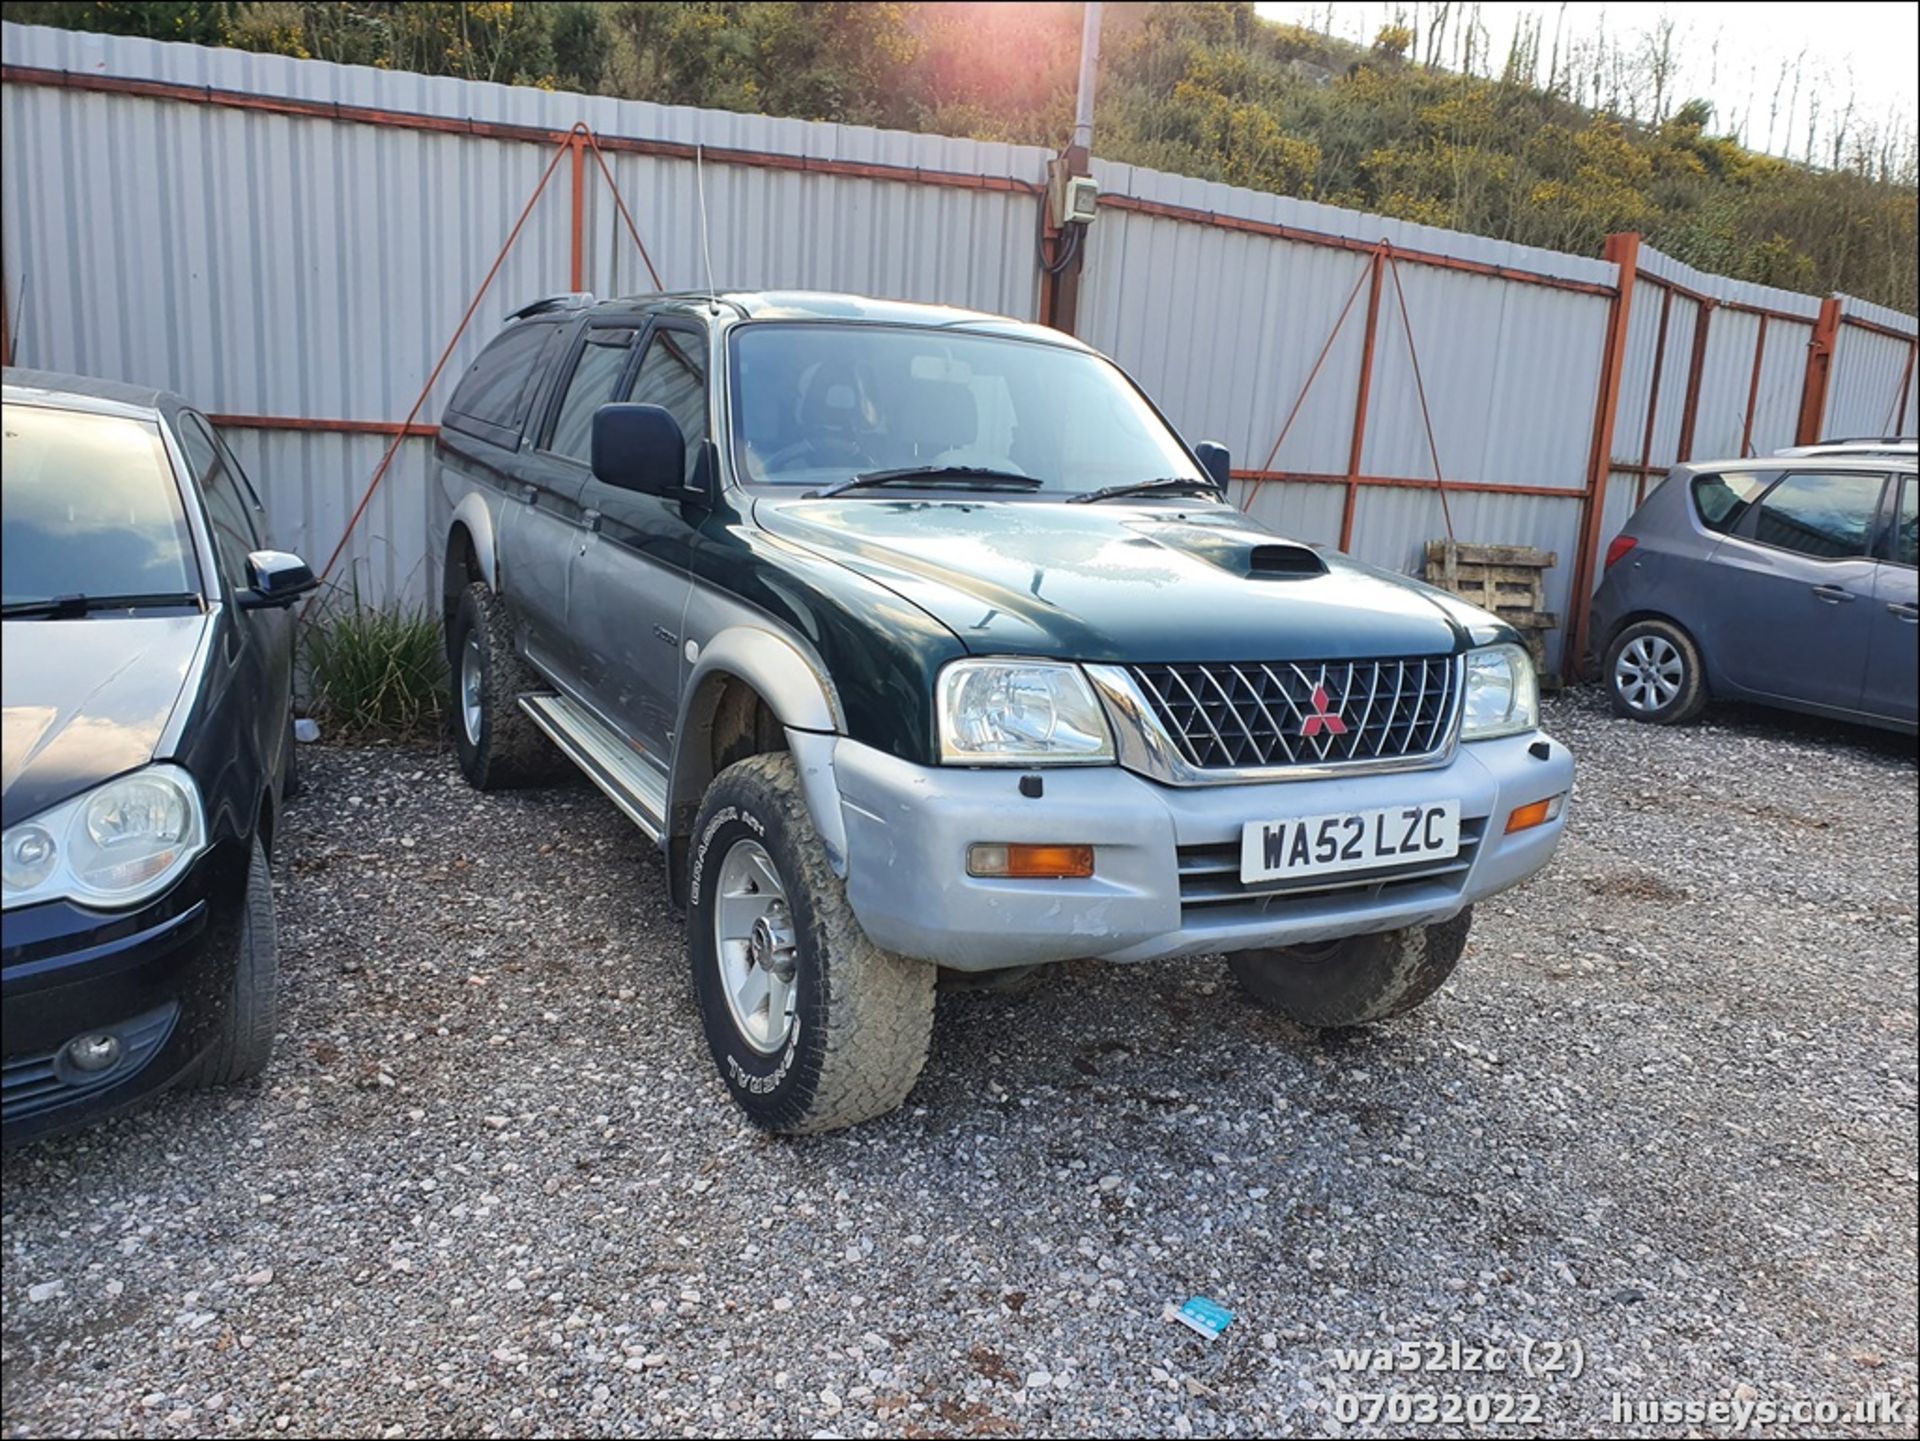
point(706, 245)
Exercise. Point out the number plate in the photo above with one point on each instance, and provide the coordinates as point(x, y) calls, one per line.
point(1349, 841)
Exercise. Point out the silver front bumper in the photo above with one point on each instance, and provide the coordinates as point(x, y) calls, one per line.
point(1166, 871)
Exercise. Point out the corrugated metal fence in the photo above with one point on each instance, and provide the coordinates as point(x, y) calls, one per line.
point(291, 244)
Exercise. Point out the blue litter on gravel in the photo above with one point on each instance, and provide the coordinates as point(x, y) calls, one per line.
point(1205, 1316)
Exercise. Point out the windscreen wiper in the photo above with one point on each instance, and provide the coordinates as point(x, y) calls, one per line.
point(1171, 485)
point(973, 477)
point(68, 607)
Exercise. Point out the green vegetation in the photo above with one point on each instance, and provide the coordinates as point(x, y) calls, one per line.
point(376, 672)
point(1206, 89)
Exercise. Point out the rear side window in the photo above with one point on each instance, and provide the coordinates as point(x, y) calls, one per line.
point(596, 374)
point(1723, 499)
point(1829, 517)
point(1906, 525)
point(493, 397)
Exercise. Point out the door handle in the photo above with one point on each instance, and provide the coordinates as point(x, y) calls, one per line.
point(1831, 594)
point(529, 494)
point(592, 519)
point(1906, 610)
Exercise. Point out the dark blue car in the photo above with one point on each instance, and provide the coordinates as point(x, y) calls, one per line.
point(148, 674)
point(1786, 580)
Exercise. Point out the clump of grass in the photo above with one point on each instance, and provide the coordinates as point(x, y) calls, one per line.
point(377, 673)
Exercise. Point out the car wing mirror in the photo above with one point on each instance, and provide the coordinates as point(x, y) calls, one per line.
point(1217, 462)
point(639, 447)
point(275, 579)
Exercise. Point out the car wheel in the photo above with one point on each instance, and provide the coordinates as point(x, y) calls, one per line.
point(1654, 674)
point(811, 1025)
point(498, 744)
point(1355, 980)
point(245, 1041)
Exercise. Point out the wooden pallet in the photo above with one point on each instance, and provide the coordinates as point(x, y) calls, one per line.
point(1509, 580)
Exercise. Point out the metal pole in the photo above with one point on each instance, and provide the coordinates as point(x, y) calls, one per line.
point(1089, 66)
point(1753, 390)
point(1813, 389)
point(1623, 249)
point(1358, 445)
point(1060, 290)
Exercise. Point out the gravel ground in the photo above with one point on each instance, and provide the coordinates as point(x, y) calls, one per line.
point(1664, 1115)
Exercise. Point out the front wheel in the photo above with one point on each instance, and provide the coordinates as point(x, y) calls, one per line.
point(811, 1025)
point(245, 1041)
point(1357, 979)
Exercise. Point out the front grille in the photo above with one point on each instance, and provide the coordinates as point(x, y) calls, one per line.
point(32, 1084)
point(1210, 881)
point(1288, 713)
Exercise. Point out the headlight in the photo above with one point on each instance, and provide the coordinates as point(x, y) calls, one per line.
point(1503, 697)
point(117, 844)
point(1015, 713)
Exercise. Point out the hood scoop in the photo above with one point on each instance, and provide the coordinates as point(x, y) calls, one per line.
point(1284, 560)
point(1237, 552)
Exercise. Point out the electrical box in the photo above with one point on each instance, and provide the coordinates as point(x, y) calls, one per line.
point(1075, 198)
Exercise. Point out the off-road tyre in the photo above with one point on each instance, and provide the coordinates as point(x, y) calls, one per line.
point(1662, 638)
point(862, 1017)
point(509, 750)
point(245, 1042)
point(1355, 981)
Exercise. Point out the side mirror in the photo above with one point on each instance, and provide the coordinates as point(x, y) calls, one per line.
point(639, 447)
point(275, 579)
point(1217, 463)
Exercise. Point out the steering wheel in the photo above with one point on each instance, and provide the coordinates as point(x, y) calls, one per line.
point(823, 451)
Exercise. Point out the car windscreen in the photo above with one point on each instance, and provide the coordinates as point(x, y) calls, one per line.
point(89, 506)
point(816, 403)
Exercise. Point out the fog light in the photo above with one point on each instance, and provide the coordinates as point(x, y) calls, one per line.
point(93, 1053)
point(1031, 863)
point(1538, 814)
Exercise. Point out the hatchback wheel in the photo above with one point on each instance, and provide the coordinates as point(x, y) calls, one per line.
point(1654, 674)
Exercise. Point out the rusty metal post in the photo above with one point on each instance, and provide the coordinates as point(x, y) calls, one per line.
point(1906, 382)
point(1696, 370)
point(1653, 391)
point(1623, 249)
point(1359, 442)
point(1753, 389)
point(1813, 390)
point(578, 145)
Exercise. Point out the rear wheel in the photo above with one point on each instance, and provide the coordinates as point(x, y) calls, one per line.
point(1654, 674)
point(811, 1025)
point(498, 744)
point(1357, 979)
point(246, 1032)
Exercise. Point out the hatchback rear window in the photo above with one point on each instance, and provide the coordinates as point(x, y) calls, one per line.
point(1723, 499)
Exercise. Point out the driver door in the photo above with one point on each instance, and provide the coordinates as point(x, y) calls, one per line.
point(630, 576)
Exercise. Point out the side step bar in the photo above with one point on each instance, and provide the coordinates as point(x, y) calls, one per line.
point(610, 763)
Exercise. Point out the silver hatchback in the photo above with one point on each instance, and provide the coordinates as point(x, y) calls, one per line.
point(1788, 580)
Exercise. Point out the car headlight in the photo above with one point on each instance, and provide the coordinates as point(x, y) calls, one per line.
point(114, 845)
point(1015, 713)
point(1503, 695)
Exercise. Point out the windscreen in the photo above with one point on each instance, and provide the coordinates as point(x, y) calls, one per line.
point(89, 506)
point(814, 404)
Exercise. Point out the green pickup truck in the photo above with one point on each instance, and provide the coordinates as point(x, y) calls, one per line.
point(918, 639)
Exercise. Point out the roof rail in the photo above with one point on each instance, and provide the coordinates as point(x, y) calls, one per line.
point(571, 300)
